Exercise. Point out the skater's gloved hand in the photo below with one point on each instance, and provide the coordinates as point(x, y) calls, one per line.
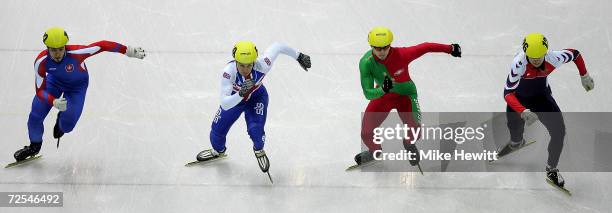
point(60, 104)
point(456, 51)
point(387, 84)
point(135, 52)
point(587, 82)
point(246, 87)
point(529, 117)
point(304, 61)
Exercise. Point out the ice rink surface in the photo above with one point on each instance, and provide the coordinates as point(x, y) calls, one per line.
point(144, 119)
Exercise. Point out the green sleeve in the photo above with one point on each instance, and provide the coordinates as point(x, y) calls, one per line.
point(404, 88)
point(367, 81)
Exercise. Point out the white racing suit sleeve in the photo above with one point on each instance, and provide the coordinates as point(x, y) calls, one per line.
point(229, 100)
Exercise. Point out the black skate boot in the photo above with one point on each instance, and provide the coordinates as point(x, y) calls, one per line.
point(510, 147)
point(554, 177)
point(363, 157)
point(209, 154)
point(262, 160)
point(27, 151)
point(57, 132)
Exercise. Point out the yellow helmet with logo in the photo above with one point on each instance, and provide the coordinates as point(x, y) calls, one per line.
point(380, 37)
point(535, 45)
point(245, 52)
point(55, 37)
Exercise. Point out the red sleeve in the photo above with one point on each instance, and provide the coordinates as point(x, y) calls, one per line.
point(414, 52)
point(110, 46)
point(579, 61)
point(514, 103)
point(82, 52)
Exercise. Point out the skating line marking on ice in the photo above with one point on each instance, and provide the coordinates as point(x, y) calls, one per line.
point(546, 188)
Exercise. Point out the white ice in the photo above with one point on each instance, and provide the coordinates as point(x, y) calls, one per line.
point(143, 120)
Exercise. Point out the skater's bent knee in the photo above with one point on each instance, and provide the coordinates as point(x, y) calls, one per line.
point(256, 130)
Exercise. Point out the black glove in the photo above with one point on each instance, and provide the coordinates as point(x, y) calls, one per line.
point(387, 84)
point(246, 87)
point(456, 51)
point(304, 61)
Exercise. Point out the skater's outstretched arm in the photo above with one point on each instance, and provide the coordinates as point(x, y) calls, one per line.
point(557, 58)
point(264, 63)
point(86, 51)
point(277, 48)
point(83, 52)
point(413, 52)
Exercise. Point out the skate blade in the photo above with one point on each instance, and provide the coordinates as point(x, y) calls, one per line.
point(270, 177)
point(356, 166)
point(500, 157)
point(562, 189)
point(193, 163)
point(29, 159)
point(420, 170)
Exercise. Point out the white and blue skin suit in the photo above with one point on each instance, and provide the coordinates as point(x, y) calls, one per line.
point(254, 105)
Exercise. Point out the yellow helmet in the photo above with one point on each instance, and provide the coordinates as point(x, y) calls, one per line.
point(55, 37)
point(535, 45)
point(245, 52)
point(380, 37)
